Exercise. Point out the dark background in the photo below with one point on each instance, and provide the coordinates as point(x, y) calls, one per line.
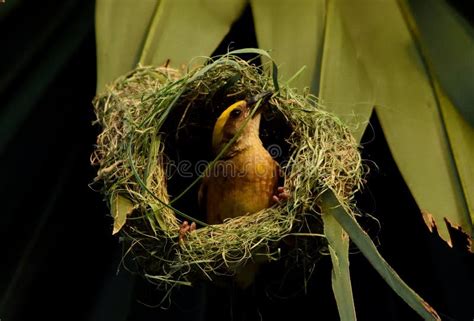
point(59, 260)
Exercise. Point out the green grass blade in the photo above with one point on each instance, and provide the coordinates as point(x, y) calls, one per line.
point(143, 185)
point(338, 243)
point(331, 206)
point(264, 54)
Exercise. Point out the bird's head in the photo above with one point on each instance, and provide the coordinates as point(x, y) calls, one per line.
point(236, 116)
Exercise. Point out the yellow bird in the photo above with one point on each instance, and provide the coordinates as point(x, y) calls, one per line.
point(244, 180)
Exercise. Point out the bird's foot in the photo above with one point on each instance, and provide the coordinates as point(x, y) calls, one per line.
point(184, 229)
point(281, 195)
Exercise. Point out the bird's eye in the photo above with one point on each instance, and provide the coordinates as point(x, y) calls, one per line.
point(235, 113)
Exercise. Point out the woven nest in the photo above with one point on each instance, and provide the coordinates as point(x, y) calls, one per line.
point(155, 119)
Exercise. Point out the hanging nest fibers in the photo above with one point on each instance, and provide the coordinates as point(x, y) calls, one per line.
point(155, 119)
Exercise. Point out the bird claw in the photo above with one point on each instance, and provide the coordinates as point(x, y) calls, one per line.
point(281, 195)
point(186, 228)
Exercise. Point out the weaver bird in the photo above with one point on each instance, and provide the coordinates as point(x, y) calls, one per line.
point(244, 180)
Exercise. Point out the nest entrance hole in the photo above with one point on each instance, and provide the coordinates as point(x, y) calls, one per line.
point(187, 135)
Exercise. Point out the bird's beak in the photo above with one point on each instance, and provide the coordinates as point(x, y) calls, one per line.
point(254, 100)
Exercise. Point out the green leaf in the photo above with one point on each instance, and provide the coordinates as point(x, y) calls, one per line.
point(331, 206)
point(338, 243)
point(345, 86)
point(153, 32)
point(285, 28)
point(460, 132)
point(121, 207)
point(184, 29)
point(370, 58)
point(461, 138)
point(340, 65)
point(449, 46)
point(121, 27)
